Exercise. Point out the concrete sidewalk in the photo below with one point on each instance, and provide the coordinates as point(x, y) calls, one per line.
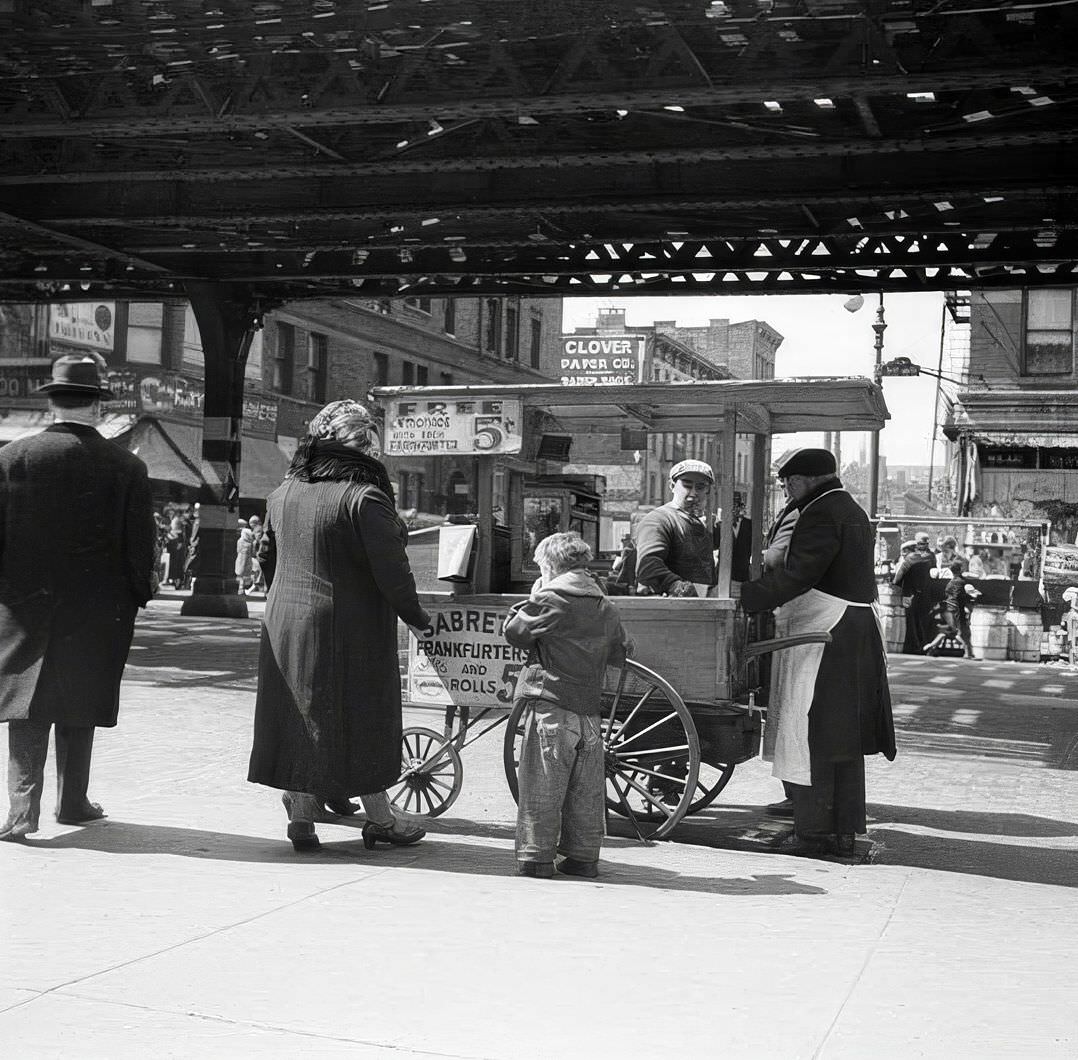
point(185, 926)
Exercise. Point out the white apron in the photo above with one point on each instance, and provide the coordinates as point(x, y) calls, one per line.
point(793, 680)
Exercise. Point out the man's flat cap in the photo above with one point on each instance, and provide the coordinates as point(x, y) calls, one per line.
point(806, 462)
point(692, 467)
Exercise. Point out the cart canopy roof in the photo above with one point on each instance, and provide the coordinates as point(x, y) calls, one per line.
point(762, 406)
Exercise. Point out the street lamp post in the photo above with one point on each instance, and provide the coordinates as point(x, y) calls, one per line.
point(879, 327)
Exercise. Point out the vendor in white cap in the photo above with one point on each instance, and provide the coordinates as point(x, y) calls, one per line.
point(673, 545)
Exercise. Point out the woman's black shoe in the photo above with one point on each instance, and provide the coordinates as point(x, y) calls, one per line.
point(303, 836)
point(396, 834)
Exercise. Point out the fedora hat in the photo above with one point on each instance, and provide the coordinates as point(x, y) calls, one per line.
point(76, 374)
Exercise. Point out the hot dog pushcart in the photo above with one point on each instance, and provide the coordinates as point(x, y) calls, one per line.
point(680, 715)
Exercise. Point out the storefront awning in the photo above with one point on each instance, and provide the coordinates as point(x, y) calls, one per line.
point(167, 458)
point(1025, 440)
point(262, 464)
point(262, 468)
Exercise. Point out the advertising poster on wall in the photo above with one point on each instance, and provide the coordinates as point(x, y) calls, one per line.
point(86, 325)
point(464, 660)
point(601, 360)
point(441, 426)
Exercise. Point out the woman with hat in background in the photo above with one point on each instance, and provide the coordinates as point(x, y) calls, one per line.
point(830, 704)
point(328, 712)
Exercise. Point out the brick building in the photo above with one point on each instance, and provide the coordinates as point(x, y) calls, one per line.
point(637, 469)
point(1015, 419)
point(308, 353)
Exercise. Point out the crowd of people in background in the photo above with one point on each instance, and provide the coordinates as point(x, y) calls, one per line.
point(177, 541)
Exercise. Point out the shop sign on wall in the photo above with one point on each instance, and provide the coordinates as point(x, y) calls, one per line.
point(601, 360)
point(440, 426)
point(463, 660)
point(85, 324)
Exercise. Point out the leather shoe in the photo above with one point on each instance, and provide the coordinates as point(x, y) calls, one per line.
point(538, 870)
point(303, 836)
point(780, 809)
point(572, 867)
point(90, 811)
point(798, 845)
point(400, 833)
point(845, 844)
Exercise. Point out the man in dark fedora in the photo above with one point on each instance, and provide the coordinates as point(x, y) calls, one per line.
point(76, 556)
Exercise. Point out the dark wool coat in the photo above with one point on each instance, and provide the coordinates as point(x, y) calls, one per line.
point(832, 550)
point(77, 546)
point(328, 713)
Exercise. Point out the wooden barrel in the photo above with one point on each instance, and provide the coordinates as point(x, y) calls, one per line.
point(892, 617)
point(989, 632)
point(1024, 635)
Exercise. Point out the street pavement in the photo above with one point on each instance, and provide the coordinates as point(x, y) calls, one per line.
point(184, 925)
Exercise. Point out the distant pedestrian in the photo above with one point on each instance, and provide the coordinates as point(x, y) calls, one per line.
point(571, 633)
point(258, 583)
point(914, 577)
point(69, 592)
point(957, 601)
point(244, 559)
point(176, 544)
point(623, 569)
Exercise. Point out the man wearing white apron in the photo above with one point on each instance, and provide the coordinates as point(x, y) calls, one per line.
point(829, 704)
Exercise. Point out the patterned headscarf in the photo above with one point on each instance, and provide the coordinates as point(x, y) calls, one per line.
point(347, 422)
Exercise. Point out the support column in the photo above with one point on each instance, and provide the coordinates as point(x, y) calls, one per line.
point(227, 320)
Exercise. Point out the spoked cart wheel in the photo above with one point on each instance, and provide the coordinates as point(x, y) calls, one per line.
point(652, 752)
point(431, 773)
point(712, 779)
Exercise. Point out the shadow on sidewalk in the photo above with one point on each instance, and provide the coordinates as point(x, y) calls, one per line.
point(442, 855)
point(963, 852)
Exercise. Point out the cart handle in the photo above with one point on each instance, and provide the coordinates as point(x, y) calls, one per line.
point(764, 647)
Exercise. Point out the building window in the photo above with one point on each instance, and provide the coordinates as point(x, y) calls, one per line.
point(537, 343)
point(285, 358)
point(494, 325)
point(450, 316)
point(407, 373)
point(1049, 347)
point(422, 373)
point(512, 334)
point(317, 347)
point(422, 304)
point(381, 369)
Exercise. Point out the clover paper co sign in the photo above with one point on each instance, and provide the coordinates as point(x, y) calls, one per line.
point(600, 360)
point(438, 427)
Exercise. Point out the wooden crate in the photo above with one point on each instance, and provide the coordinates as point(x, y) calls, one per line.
point(695, 644)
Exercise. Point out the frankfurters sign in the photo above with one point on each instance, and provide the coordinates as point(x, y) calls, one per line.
point(463, 659)
point(601, 360)
point(438, 427)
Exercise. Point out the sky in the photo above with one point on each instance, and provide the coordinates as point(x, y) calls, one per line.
point(821, 338)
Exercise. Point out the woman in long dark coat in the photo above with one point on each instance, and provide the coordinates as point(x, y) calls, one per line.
point(328, 714)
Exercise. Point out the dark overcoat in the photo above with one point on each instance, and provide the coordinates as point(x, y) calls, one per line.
point(328, 713)
point(831, 550)
point(77, 544)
